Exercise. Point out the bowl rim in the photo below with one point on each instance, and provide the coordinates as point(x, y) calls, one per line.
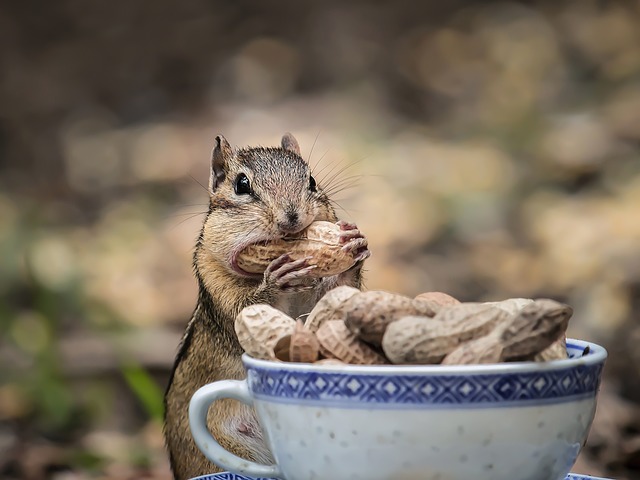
point(597, 354)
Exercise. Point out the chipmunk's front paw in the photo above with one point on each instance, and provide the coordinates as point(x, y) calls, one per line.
point(288, 275)
point(354, 241)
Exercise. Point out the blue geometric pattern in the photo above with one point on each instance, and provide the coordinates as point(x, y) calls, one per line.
point(379, 391)
point(233, 476)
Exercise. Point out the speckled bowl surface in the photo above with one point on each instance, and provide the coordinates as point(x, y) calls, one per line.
point(524, 421)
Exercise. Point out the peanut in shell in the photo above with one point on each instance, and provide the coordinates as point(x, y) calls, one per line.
point(282, 348)
point(534, 328)
point(536, 332)
point(330, 307)
point(259, 327)
point(511, 305)
point(369, 313)
point(556, 351)
point(438, 298)
point(303, 345)
point(424, 340)
point(336, 341)
point(486, 349)
point(320, 241)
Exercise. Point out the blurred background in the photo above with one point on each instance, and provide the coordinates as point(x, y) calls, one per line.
point(491, 150)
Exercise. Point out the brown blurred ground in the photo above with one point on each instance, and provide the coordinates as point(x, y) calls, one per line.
point(496, 144)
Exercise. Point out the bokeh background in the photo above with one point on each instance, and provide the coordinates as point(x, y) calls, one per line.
point(491, 150)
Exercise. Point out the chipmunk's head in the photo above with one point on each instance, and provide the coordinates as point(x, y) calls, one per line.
point(259, 194)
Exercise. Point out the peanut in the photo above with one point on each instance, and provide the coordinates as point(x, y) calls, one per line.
point(303, 345)
point(438, 298)
point(369, 313)
point(556, 351)
point(511, 305)
point(281, 350)
point(424, 340)
point(535, 328)
point(320, 241)
point(348, 326)
point(526, 334)
point(485, 349)
point(260, 327)
point(336, 341)
point(330, 307)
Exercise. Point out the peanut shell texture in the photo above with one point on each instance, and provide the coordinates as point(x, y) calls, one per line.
point(369, 313)
point(336, 341)
point(425, 340)
point(330, 307)
point(259, 327)
point(303, 345)
point(320, 241)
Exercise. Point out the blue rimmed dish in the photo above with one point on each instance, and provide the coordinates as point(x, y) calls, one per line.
point(525, 420)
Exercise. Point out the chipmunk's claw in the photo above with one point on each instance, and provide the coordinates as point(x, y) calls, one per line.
point(354, 241)
point(290, 275)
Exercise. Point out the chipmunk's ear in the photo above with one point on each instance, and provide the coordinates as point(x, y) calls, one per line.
point(290, 143)
point(219, 158)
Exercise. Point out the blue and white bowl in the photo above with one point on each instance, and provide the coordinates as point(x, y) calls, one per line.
point(507, 421)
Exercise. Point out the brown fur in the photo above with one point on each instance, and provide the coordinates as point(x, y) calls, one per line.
point(210, 350)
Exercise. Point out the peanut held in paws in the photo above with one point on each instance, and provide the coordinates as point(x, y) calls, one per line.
point(320, 242)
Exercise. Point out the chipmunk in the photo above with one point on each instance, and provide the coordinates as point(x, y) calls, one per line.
point(256, 194)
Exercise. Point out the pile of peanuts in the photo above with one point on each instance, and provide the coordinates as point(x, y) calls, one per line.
point(348, 326)
point(377, 327)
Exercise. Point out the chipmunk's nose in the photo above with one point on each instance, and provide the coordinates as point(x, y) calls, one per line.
point(290, 222)
point(292, 217)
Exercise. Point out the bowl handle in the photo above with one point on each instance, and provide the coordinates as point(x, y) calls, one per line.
point(198, 409)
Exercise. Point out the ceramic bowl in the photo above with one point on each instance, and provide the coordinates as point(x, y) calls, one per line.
point(525, 420)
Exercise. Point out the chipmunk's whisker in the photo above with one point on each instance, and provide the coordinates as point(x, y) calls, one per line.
point(192, 215)
point(206, 189)
point(195, 205)
point(185, 213)
point(342, 181)
point(312, 147)
point(331, 176)
point(330, 164)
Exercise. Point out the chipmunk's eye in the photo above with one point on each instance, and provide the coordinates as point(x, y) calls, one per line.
point(242, 185)
point(312, 184)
